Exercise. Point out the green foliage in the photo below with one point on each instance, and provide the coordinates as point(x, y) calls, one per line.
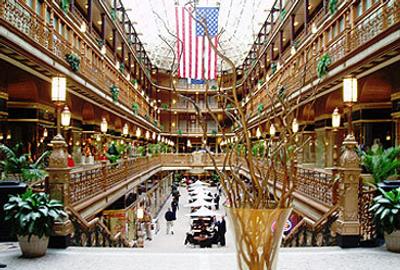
point(113, 153)
point(177, 177)
point(260, 108)
point(214, 132)
point(155, 123)
point(114, 92)
point(100, 42)
point(283, 14)
point(164, 106)
point(161, 127)
point(179, 132)
point(229, 106)
point(258, 149)
point(74, 61)
point(154, 149)
point(113, 14)
point(135, 108)
point(121, 67)
point(134, 82)
point(241, 149)
point(215, 178)
point(64, 5)
point(281, 92)
point(332, 6)
point(15, 164)
point(386, 210)
point(381, 163)
point(323, 64)
point(274, 67)
point(164, 148)
point(146, 116)
point(33, 213)
point(214, 87)
point(260, 82)
point(141, 151)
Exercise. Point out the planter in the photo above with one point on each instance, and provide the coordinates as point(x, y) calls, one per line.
point(36, 247)
point(258, 234)
point(393, 241)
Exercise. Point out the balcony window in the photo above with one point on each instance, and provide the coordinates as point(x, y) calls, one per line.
point(359, 9)
point(29, 3)
point(341, 25)
point(38, 7)
point(47, 15)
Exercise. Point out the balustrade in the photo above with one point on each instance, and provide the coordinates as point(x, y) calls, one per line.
point(300, 69)
point(96, 68)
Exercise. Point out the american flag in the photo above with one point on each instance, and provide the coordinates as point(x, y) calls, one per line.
point(198, 60)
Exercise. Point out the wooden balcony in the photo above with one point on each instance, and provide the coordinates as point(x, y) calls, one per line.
point(95, 69)
point(300, 69)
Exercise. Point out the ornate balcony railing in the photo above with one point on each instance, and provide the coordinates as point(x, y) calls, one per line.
point(300, 69)
point(98, 69)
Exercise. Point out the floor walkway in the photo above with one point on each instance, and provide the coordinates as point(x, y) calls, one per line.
point(167, 252)
point(175, 243)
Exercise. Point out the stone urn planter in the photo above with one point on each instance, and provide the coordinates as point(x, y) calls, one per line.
point(33, 247)
point(392, 241)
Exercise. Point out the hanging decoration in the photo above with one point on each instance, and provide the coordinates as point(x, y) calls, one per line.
point(135, 108)
point(64, 5)
point(332, 6)
point(114, 92)
point(323, 64)
point(73, 60)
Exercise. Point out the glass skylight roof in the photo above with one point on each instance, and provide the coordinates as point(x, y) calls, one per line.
point(239, 21)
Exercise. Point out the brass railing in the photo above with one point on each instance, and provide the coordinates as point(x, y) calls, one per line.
point(368, 229)
point(94, 233)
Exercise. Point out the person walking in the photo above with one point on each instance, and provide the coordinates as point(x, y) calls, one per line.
point(221, 231)
point(174, 206)
point(170, 217)
point(216, 201)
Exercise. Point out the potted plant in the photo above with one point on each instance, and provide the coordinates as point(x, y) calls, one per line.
point(114, 92)
point(32, 216)
point(380, 163)
point(386, 209)
point(20, 167)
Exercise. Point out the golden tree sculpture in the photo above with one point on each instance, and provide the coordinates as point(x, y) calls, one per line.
point(259, 206)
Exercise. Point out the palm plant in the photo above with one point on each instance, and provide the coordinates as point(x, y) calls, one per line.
point(381, 163)
point(20, 165)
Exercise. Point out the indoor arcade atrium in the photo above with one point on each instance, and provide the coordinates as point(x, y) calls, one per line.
point(203, 135)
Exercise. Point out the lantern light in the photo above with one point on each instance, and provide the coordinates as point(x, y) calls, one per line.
point(65, 117)
point(125, 130)
point(154, 136)
point(103, 50)
point(350, 90)
point(159, 138)
point(295, 126)
point(258, 133)
point(58, 89)
point(336, 118)
point(272, 130)
point(189, 144)
point(138, 132)
point(147, 135)
point(45, 133)
point(140, 213)
point(103, 125)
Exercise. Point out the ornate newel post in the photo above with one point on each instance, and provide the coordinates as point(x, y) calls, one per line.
point(348, 225)
point(58, 188)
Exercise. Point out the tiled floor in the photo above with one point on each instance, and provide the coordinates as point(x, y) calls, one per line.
point(167, 252)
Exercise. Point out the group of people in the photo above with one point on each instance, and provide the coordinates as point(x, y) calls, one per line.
point(205, 230)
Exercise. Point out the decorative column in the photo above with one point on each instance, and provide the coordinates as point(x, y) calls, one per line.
point(348, 225)
point(58, 188)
